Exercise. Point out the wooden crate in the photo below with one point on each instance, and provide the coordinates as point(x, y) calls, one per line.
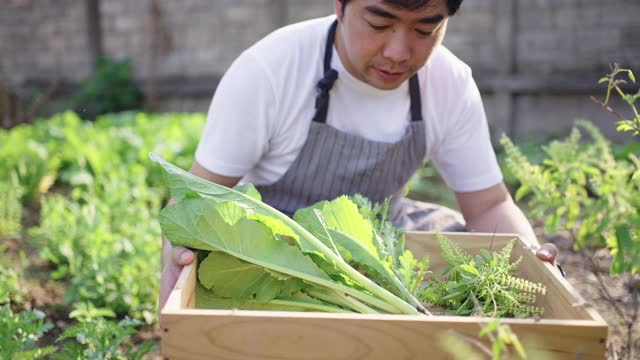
point(569, 329)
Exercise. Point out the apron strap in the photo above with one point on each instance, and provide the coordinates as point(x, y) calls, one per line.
point(416, 100)
point(326, 83)
point(330, 76)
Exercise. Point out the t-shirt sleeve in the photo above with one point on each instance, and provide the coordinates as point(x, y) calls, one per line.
point(235, 135)
point(464, 156)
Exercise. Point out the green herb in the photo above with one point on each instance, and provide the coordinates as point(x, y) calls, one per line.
point(484, 285)
point(20, 332)
point(102, 339)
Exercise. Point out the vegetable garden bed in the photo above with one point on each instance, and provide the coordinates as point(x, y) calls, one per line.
point(568, 329)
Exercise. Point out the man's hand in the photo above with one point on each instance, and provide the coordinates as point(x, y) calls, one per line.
point(179, 257)
point(547, 252)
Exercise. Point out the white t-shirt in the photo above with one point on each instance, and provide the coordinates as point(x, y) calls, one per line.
point(261, 112)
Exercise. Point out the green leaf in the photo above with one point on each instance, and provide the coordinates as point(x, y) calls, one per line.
point(239, 280)
point(631, 76)
point(468, 270)
point(206, 299)
point(452, 295)
point(623, 243)
point(551, 223)
point(346, 229)
point(339, 223)
point(276, 226)
point(522, 192)
point(603, 80)
point(250, 190)
point(198, 221)
point(490, 327)
point(342, 215)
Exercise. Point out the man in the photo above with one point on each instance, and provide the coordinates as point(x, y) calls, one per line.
point(356, 103)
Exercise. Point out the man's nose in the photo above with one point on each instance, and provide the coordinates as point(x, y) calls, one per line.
point(398, 48)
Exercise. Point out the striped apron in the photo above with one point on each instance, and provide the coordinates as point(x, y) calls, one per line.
point(333, 163)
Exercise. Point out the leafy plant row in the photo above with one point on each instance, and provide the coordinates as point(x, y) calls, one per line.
point(99, 199)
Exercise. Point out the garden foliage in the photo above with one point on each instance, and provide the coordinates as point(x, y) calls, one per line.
point(582, 188)
point(99, 200)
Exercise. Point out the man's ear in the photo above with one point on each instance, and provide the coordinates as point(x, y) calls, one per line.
point(338, 7)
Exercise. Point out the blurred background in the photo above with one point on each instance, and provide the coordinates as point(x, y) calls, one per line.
point(80, 200)
point(535, 61)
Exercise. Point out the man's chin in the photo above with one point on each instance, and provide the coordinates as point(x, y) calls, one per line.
point(386, 84)
point(385, 81)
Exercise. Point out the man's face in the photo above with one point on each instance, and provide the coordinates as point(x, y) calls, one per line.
point(383, 45)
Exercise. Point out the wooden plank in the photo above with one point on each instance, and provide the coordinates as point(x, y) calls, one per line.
point(209, 334)
point(181, 296)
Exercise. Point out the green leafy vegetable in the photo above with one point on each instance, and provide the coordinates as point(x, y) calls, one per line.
point(201, 220)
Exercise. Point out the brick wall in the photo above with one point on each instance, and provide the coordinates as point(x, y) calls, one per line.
point(43, 39)
point(198, 39)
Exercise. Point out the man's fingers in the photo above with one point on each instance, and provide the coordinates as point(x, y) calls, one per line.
point(547, 252)
point(169, 277)
point(181, 256)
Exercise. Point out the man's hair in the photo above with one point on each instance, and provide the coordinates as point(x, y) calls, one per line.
point(412, 5)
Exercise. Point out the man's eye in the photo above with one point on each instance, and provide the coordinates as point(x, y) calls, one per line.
point(424, 33)
point(379, 27)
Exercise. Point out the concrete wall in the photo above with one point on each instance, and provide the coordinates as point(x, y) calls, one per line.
point(192, 40)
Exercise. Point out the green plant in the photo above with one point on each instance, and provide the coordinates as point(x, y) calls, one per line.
point(85, 312)
point(12, 289)
point(581, 187)
point(98, 244)
point(100, 339)
point(11, 207)
point(483, 286)
point(613, 82)
point(110, 89)
point(500, 335)
point(321, 243)
point(20, 332)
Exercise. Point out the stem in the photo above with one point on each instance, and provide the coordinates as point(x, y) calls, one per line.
point(621, 93)
point(290, 303)
point(386, 306)
point(408, 295)
point(399, 304)
point(335, 297)
point(354, 303)
point(310, 306)
point(477, 343)
point(324, 227)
